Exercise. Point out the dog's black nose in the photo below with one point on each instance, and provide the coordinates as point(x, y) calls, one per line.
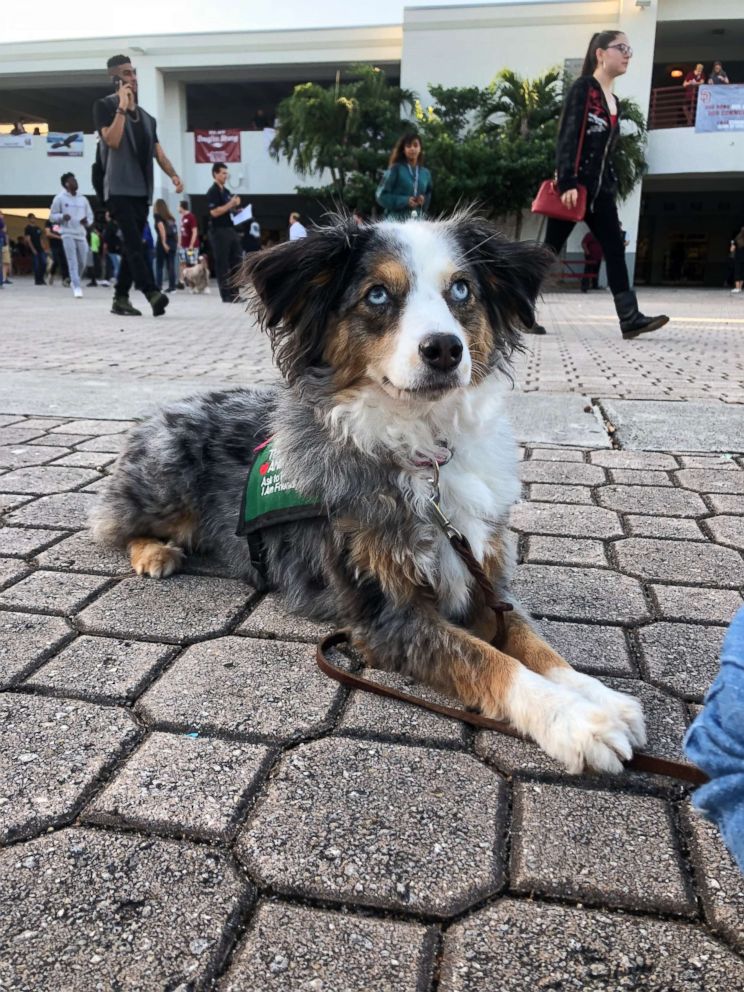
point(441, 351)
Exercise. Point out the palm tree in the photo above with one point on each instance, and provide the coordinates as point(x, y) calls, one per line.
point(524, 105)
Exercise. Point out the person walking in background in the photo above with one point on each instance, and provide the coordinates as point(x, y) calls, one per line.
point(718, 76)
point(32, 234)
point(96, 253)
point(129, 144)
point(59, 262)
point(297, 229)
point(694, 78)
point(222, 234)
point(591, 109)
point(166, 244)
point(406, 187)
point(4, 251)
point(592, 260)
point(111, 247)
point(251, 238)
point(737, 251)
point(188, 251)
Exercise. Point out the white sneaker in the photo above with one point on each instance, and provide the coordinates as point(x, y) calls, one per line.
point(103, 282)
point(735, 290)
point(77, 292)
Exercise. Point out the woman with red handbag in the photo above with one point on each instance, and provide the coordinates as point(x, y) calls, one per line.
point(587, 136)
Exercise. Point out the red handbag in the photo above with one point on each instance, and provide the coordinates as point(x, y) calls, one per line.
point(548, 200)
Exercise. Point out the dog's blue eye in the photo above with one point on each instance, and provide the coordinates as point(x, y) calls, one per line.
point(377, 296)
point(459, 291)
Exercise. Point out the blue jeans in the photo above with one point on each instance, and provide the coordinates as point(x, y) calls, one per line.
point(39, 264)
point(715, 742)
point(167, 259)
point(115, 260)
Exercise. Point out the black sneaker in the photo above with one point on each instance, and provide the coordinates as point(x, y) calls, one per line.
point(158, 301)
point(535, 329)
point(123, 308)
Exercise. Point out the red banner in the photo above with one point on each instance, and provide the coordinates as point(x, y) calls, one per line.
point(217, 145)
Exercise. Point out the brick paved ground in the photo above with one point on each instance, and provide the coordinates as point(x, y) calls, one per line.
point(185, 803)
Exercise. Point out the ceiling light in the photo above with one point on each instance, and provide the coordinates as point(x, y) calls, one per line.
point(676, 73)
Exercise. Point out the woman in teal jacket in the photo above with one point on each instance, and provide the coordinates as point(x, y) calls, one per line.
point(405, 189)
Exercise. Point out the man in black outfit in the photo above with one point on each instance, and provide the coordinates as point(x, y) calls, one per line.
point(223, 236)
point(129, 142)
point(32, 233)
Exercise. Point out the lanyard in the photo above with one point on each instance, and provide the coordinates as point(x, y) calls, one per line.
point(415, 176)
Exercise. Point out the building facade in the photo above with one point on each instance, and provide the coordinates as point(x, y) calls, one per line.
point(679, 220)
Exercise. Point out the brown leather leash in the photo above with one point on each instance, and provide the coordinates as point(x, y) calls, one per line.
point(640, 762)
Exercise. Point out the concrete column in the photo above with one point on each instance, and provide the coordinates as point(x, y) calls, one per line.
point(165, 100)
point(639, 24)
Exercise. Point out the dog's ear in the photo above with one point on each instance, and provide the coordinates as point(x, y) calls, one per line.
point(509, 274)
point(294, 289)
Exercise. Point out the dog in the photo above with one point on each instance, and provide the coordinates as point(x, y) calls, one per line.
point(393, 340)
point(196, 277)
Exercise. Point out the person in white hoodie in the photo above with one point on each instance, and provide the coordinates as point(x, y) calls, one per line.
point(73, 213)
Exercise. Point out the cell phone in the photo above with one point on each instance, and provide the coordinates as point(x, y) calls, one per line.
point(117, 80)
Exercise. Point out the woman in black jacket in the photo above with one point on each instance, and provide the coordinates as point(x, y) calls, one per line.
point(591, 96)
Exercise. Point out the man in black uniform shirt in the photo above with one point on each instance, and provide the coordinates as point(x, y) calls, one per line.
point(222, 234)
point(129, 142)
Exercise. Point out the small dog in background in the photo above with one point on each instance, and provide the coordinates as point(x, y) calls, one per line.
point(196, 277)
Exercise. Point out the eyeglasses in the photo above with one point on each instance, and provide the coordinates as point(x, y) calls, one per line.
point(623, 49)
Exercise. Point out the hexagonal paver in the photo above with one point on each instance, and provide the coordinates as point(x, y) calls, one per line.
point(102, 669)
point(682, 658)
point(696, 604)
point(680, 561)
point(512, 945)
point(548, 492)
point(62, 511)
point(723, 503)
point(562, 520)
point(183, 607)
point(599, 847)
point(288, 948)
point(271, 619)
point(556, 455)
point(94, 427)
point(239, 685)
point(654, 500)
point(639, 477)
point(86, 459)
point(25, 640)
point(646, 460)
point(580, 594)
point(18, 434)
point(53, 592)
point(719, 879)
point(19, 456)
point(51, 754)
point(11, 570)
point(369, 715)
point(22, 541)
point(90, 909)
point(108, 443)
point(683, 528)
point(666, 718)
point(562, 473)
point(727, 530)
point(80, 553)
point(589, 647)
point(704, 480)
point(565, 551)
point(183, 786)
point(43, 480)
point(405, 828)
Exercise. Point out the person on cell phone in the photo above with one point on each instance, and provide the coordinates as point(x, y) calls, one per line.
point(223, 237)
point(590, 122)
point(129, 143)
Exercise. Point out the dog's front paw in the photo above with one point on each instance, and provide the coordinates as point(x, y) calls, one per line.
point(625, 709)
point(153, 558)
point(583, 737)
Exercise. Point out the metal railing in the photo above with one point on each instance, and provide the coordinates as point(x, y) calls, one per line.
point(672, 106)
